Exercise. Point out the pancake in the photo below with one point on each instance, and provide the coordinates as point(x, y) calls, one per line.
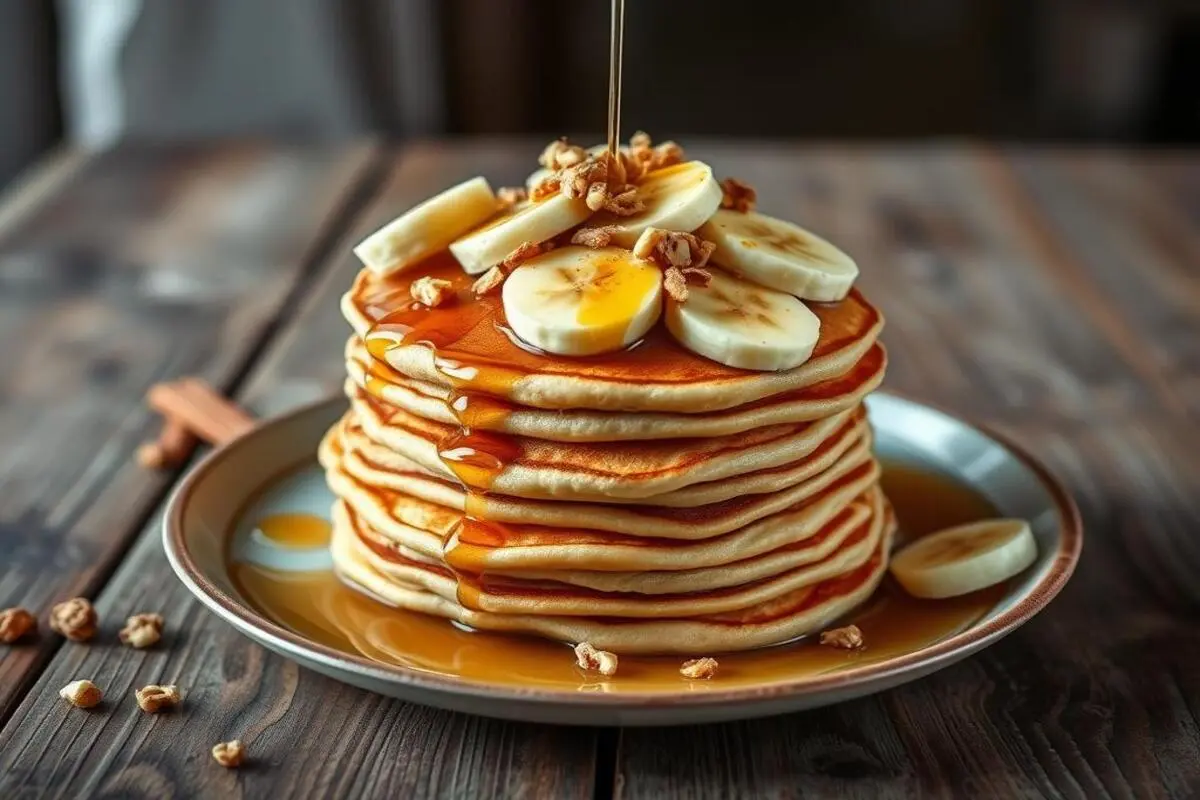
point(440, 404)
point(794, 613)
point(474, 352)
point(854, 468)
point(593, 471)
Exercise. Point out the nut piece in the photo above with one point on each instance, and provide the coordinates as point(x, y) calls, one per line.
point(738, 196)
point(81, 694)
point(849, 637)
point(594, 237)
point(546, 187)
point(142, 630)
point(699, 668)
point(594, 660)
point(489, 281)
point(74, 619)
point(561, 153)
point(431, 292)
point(682, 256)
point(16, 623)
point(229, 754)
point(524, 252)
point(650, 158)
point(509, 196)
point(153, 699)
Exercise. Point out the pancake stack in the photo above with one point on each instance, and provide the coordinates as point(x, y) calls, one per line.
point(647, 499)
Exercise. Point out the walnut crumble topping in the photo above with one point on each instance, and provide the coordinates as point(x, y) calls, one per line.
point(489, 281)
point(648, 157)
point(602, 182)
point(431, 292)
point(849, 637)
point(16, 623)
point(682, 256)
point(74, 619)
point(560, 154)
point(699, 668)
point(229, 754)
point(153, 699)
point(593, 660)
point(81, 694)
point(738, 196)
point(594, 237)
point(509, 196)
point(142, 630)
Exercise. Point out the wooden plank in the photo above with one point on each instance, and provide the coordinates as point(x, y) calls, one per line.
point(309, 736)
point(142, 264)
point(1008, 299)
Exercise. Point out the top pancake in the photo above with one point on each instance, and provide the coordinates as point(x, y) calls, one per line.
point(473, 350)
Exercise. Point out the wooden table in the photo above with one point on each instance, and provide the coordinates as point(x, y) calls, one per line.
point(1054, 294)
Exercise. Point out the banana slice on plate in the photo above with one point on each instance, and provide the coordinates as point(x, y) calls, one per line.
point(677, 198)
point(531, 221)
point(965, 558)
point(580, 301)
point(744, 325)
point(780, 255)
point(428, 228)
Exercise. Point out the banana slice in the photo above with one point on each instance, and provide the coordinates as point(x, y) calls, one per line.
point(579, 301)
point(537, 221)
point(780, 255)
point(965, 559)
point(540, 174)
point(428, 228)
point(744, 325)
point(677, 198)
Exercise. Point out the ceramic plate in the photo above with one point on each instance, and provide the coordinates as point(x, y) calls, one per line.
point(210, 530)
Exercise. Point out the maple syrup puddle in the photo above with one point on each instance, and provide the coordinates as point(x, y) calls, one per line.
point(319, 607)
point(293, 531)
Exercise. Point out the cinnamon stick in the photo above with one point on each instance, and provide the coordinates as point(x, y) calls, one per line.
point(170, 449)
point(200, 409)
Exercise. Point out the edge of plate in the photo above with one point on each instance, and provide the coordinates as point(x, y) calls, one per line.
point(890, 672)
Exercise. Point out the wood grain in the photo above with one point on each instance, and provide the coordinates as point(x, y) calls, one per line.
point(1054, 296)
point(308, 735)
point(141, 265)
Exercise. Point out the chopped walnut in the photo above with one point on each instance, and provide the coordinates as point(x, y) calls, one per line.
point(229, 754)
point(625, 203)
point(509, 196)
point(16, 623)
point(699, 668)
point(640, 140)
point(153, 699)
point(682, 256)
point(594, 237)
point(580, 180)
point(546, 187)
point(560, 154)
point(431, 292)
point(597, 197)
point(74, 619)
point(489, 281)
point(81, 694)
point(142, 630)
point(849, 637)
point(594, 660)
point(738, 196)
point(650, 157)
point(524, 252)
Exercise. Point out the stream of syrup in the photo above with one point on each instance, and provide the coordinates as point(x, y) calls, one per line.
point(319, 607)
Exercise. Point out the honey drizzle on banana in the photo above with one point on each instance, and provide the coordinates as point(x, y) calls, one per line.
point(318, 606)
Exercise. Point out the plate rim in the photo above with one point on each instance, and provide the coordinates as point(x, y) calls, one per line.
point(243, 617)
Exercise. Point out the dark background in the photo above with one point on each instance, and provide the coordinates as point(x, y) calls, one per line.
point(1067, 70)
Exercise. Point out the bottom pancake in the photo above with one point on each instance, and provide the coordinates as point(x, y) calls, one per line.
point(793, 613)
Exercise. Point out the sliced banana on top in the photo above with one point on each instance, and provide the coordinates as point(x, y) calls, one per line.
point(744, 325)
point(531, 221)
point(677, 198)
point(780, 255)
point(580, 301)
point(428, 228)
point(965, 558)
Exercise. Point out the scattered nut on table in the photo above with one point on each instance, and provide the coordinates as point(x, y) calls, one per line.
point(142, 630)
point(849, 637)
point(153, 698)
point(229, 754)
point(16, 623)
point(594, 660)
point(74, 619)
point(81, 694)
point(699, 668)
